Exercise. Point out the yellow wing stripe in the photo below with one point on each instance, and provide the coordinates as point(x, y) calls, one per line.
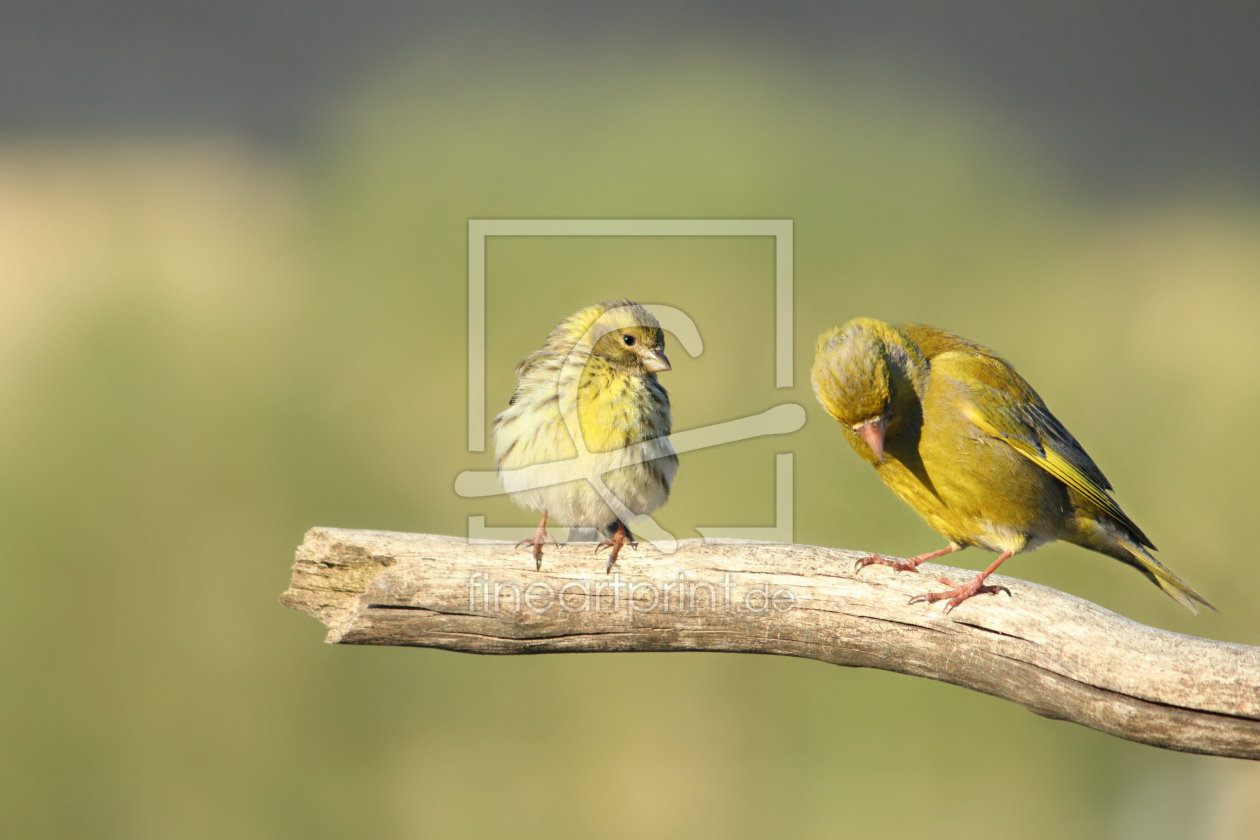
point(1062, 469)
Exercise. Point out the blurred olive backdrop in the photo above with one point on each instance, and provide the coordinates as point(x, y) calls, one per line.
point(210, 344)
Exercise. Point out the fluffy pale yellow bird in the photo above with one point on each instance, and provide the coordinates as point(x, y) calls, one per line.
point(955, 432)
point(585, 436)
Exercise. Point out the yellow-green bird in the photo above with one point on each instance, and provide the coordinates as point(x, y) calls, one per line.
point(585, 436)
point(955, 432)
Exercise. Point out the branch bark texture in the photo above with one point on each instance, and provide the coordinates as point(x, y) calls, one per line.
point(1058, 655)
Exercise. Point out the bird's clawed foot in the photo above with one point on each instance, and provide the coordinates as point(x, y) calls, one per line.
point(902, 565)
point(619, 538)
point(959, 594)
point(892, 562)
point(540, 538)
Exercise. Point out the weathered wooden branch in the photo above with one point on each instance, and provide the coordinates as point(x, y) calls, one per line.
point(1055, 654)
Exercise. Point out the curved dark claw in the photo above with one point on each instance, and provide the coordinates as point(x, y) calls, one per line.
point(613, 543)
point(547, 539)
point(862, 562)
point(620, 536)
point(959, 594)
point(612, 555)
point(538, 540)
point(616, 543)
point(537, 546)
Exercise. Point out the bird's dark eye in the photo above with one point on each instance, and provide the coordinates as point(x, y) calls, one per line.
point(628, 339)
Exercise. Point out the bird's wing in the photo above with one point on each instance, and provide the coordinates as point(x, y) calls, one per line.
point(1002, 404)
point(532, 361)
point(532, 369)
point(1001, 378)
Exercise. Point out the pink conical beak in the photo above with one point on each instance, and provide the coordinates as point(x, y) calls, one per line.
point(872, 431)
point(656, 361)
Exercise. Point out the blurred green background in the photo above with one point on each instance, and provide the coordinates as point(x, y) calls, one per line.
point(215, 337)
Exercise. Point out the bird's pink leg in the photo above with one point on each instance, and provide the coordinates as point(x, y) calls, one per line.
point(903, 565)
point(540, 536)
point(961, 593)
point(619, 538)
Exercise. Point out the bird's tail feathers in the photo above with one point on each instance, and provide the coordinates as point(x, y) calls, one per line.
point(1164, 578)
point(1110, 539)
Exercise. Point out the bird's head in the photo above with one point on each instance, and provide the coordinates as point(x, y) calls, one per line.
point(866, 374)
point(628, 337)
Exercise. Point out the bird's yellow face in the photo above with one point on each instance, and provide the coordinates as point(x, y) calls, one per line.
point(630, 343)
